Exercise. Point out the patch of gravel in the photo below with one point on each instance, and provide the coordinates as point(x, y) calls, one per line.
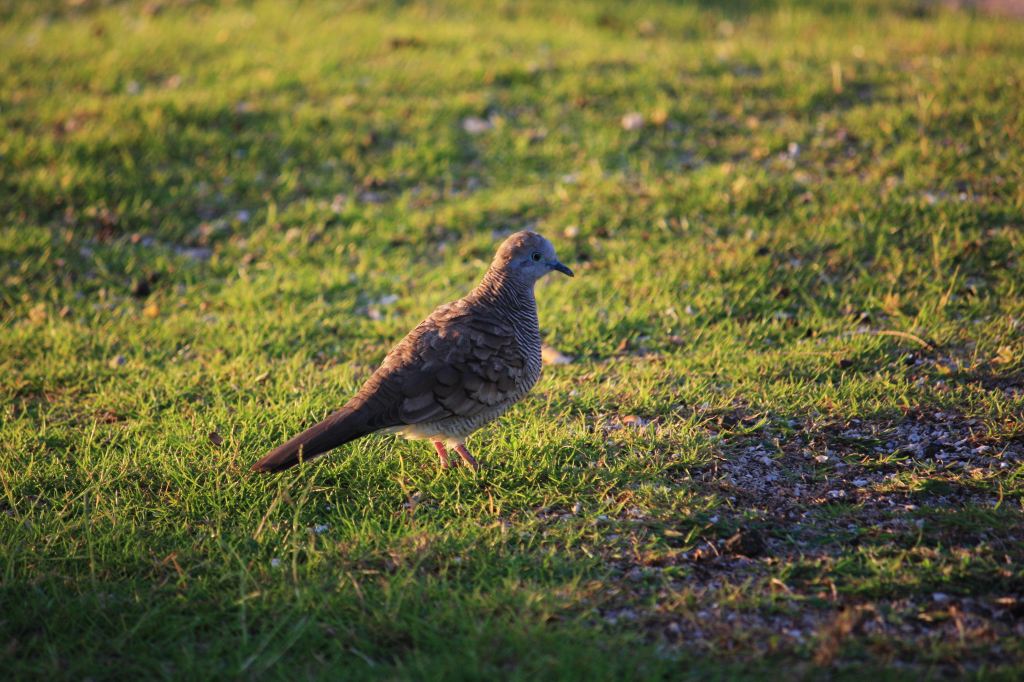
point(870, 464)
point(781, 482)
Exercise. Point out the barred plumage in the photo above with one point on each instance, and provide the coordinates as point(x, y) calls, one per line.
point(459, 369)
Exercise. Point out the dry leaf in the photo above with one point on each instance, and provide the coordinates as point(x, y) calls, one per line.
point(216, 438)
point(891, 303)
point(38, 313)
point(108, 417)
point(1005, 356)
point(646, 28)
point(553, 356)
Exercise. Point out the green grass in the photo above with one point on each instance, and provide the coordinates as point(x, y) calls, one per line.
point(803, 272)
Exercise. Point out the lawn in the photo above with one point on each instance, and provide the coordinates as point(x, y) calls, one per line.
point(790, 440)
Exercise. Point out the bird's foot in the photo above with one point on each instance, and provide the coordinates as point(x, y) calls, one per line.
point(443, 454)
point(466, 457)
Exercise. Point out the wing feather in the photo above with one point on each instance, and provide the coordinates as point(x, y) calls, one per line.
point(456, 363)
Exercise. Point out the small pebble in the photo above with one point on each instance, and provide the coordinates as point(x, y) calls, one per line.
point(474, 125)
point(633, 121)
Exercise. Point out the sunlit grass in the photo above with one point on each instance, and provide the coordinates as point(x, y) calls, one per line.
point(801, 275)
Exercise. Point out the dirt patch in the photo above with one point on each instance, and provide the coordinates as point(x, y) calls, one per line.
point(802, 558)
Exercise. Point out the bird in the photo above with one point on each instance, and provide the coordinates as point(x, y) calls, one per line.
point(459, 369)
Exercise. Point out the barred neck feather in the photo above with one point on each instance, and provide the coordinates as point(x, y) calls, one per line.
point(508, 293)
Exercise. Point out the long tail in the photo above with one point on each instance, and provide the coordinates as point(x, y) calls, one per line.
point(341, 427)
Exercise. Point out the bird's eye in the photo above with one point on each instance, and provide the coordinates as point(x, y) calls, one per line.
point(536, 255)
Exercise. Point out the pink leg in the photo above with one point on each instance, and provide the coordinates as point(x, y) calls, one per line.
point(443, 454)
point(466, 457)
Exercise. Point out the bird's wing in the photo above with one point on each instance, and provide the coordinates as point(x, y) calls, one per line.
point(456, 363)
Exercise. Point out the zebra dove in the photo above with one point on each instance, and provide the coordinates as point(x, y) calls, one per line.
point(462, 367)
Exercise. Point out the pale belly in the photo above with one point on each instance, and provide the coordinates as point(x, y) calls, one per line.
point(454, 430)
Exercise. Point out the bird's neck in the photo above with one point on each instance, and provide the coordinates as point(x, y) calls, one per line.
point(513, 294)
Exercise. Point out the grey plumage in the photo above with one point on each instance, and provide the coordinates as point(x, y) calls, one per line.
point(462, 367)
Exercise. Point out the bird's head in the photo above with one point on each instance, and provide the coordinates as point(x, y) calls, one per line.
point(527, 256)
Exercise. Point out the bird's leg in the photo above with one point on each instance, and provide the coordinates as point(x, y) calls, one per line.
point(466, 457)
point(442, 453)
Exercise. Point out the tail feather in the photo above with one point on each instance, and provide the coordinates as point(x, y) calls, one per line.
point(341, 427)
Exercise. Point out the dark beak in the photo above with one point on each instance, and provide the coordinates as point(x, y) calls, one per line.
point(562, 269)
